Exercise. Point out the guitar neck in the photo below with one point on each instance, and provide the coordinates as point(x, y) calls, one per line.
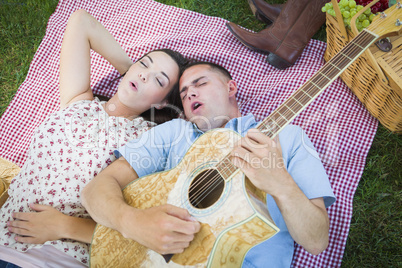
point(301, 98)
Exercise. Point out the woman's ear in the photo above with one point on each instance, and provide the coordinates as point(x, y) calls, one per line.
point(232, 88)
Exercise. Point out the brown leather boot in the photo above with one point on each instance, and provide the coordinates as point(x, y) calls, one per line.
point(286, 38)
point(265, 12)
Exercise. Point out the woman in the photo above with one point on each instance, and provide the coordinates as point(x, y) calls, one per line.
point(43, 219)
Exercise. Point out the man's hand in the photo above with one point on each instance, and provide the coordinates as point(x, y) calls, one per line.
point(37, 227)
point(260, 158)
point(165, 229)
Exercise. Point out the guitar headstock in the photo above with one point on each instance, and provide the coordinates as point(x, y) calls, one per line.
point(387, 23)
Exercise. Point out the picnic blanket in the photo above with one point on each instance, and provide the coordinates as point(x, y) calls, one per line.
point(339, 126)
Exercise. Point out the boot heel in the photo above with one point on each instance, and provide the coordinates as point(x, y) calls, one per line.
point(277, 61)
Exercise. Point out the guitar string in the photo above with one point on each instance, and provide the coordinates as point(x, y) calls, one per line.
point(214, 182)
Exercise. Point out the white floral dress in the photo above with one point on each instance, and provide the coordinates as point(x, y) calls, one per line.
point(67, 150)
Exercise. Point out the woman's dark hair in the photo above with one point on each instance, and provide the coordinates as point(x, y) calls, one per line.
point(174, 108)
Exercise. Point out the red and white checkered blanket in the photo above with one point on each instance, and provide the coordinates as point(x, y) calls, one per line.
point(339, 126)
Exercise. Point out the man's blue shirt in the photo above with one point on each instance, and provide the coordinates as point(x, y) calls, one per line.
point(163, 147)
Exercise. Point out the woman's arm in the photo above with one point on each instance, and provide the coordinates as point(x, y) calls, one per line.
point(49, 224)
point(82, 34)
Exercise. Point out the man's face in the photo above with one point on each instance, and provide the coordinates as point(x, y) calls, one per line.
point(205, 96)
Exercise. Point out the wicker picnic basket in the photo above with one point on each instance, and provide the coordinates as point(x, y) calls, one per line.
point(375, 77)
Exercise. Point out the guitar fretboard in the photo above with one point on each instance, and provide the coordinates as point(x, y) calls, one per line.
point(295, 104)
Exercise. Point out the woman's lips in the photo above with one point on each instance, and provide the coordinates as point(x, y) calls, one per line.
point(133, 85)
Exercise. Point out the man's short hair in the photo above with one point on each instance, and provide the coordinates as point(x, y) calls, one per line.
point(213, 66)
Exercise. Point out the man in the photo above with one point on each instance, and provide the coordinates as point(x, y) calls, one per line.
point(297, 186)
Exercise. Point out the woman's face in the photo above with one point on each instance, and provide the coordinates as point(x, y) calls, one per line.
point(148, 81)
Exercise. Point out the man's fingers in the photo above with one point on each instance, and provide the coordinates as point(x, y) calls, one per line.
point(178, 212)
point(241, 163)
point(260, 138)
point(243, 154)
point(179, 247)
point(182, 222)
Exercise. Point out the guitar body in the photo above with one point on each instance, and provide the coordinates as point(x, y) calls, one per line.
point(233, 215)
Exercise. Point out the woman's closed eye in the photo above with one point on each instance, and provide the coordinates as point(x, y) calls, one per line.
point(159, 82)
point(143, 64)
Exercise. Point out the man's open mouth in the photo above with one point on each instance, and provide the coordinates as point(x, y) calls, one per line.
point(195, 106)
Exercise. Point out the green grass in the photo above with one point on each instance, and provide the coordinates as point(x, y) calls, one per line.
point(375, 237)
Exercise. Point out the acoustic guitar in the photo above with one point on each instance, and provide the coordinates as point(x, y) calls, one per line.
point(232, 212)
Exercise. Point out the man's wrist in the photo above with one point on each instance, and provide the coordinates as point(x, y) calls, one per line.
point(125, 216)
point(287, 189)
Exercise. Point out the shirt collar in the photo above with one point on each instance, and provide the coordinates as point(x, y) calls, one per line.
point(239, 124)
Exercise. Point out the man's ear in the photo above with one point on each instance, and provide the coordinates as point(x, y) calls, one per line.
point(232, 88)
point(161, 105)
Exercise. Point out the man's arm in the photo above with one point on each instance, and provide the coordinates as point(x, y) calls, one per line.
point(164, 229)
point(260, 158)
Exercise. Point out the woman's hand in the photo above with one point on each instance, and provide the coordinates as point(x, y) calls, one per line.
point(49, 224)
point(46, 224)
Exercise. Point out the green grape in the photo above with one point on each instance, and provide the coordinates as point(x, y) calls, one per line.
point(365, 23)
point(328, 6)
point(349, 9)
point(343, 3)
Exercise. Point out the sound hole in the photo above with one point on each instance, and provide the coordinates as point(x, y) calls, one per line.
point(206, 188)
